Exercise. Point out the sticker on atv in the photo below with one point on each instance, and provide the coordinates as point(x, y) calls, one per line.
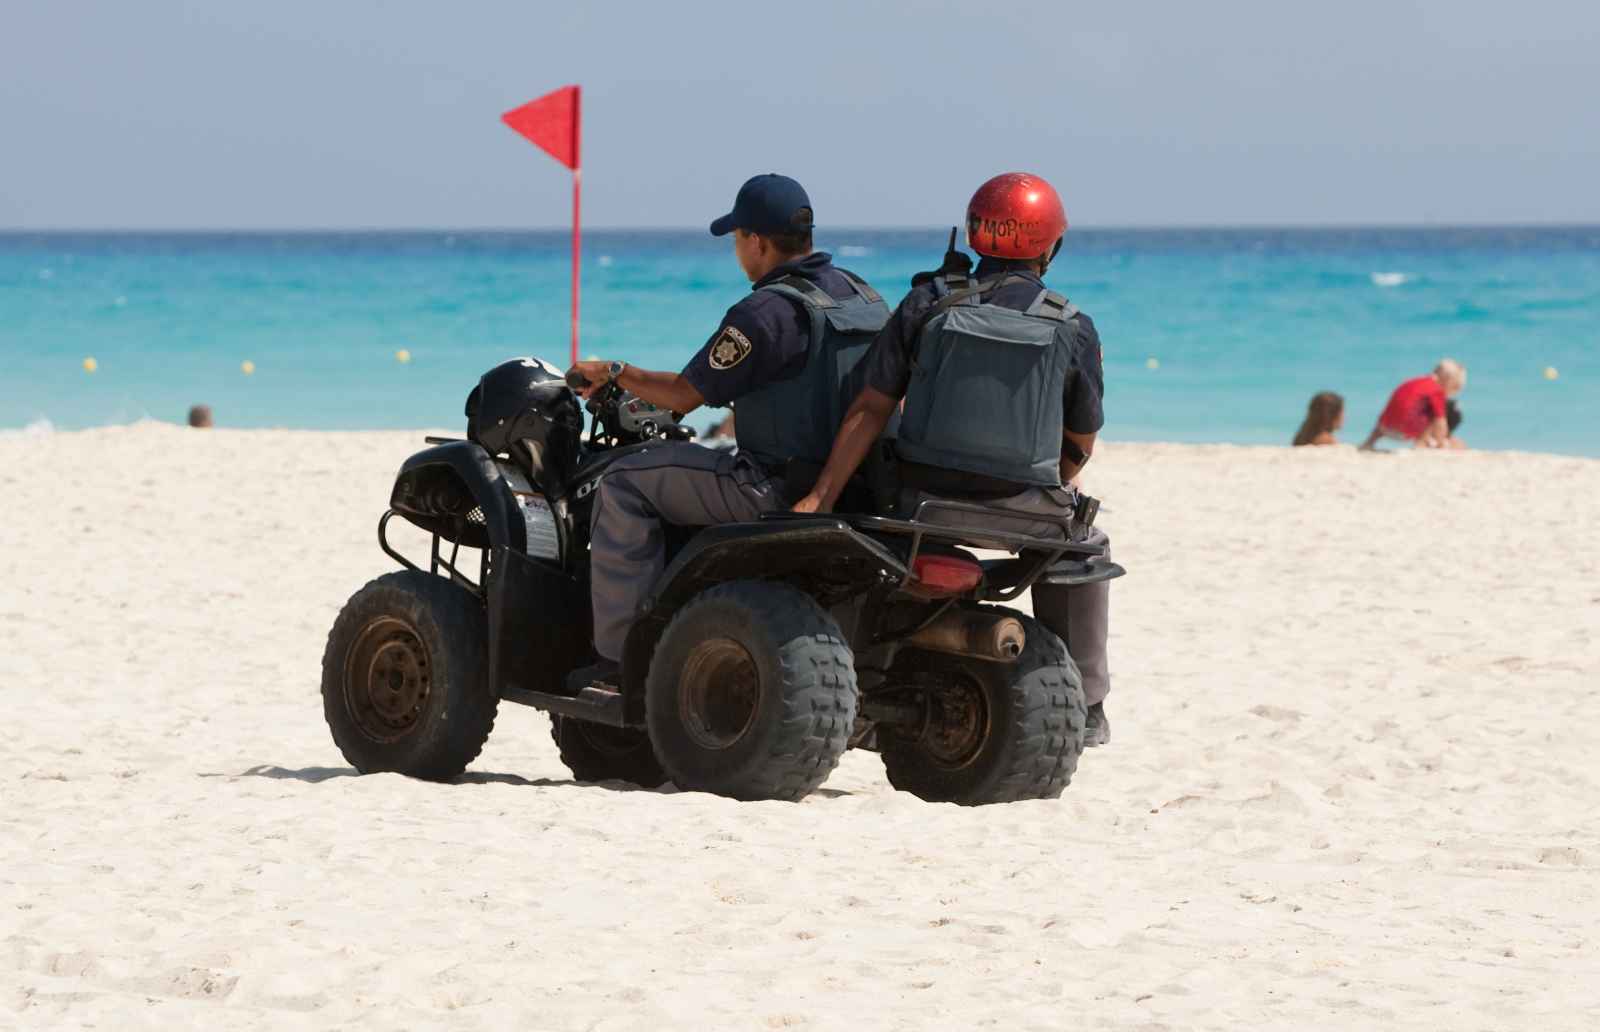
point(544, 540)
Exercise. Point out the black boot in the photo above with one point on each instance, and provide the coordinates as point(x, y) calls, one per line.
point(1097, 730)
point(605, 674)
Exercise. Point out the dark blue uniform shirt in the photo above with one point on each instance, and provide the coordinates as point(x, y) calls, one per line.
point(765, 337)
point(887, 367)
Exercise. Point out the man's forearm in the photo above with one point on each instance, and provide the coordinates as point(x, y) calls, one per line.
point(665, 390)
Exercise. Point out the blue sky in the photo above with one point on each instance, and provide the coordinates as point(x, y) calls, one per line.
point(302, 114)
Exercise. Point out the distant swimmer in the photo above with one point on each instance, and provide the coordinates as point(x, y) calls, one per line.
point(1418, 409)
point(1324, 418)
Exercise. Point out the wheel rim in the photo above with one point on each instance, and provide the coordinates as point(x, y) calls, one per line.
point(387, 679)
point(718, 693)
point(957, 725)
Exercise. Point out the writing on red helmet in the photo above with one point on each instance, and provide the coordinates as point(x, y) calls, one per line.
point(1015, 215)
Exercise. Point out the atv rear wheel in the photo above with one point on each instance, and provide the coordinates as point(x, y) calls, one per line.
point(993, 732)
point(595, 752)
point(751, 693)
point(403, 677)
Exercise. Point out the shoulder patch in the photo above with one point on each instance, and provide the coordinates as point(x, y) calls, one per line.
point(731, 348)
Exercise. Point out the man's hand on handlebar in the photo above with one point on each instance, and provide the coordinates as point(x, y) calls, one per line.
point(588, 377)
point(668, 391)
point(812, 503)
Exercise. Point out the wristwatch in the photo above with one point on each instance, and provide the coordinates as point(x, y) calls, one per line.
point(614, 371)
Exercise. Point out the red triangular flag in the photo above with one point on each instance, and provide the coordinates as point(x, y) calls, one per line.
point(551, 122)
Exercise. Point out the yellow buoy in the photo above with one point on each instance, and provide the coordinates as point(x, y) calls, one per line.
point(90, 365)
point(1551, 373)
point(402, 356)
point(1152, 363)
point(247, 367)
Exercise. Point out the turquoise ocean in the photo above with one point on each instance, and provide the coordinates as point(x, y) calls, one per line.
point(1209, 335)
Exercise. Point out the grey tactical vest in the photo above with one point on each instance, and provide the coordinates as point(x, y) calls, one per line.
point(796, 419)
point(988, 383)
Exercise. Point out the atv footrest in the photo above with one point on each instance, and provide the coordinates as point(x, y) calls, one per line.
point(597, 705)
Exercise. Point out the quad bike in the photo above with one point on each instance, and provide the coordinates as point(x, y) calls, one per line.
point(765, 650)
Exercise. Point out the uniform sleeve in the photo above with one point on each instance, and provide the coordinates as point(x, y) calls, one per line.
point(750, 348)
point(888, 361)
point(1086, 383)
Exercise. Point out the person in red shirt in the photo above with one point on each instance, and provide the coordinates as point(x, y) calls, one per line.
point(1416, 409)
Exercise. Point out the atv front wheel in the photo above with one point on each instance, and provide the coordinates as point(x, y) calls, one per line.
point(404, 686)
point(595, 752)
point(751, 693)
point(992, 732)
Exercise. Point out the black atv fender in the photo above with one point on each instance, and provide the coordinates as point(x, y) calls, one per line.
point(814, 554)
point(436, 488)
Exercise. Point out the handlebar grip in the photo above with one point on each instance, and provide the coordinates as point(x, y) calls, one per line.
point(576, 380)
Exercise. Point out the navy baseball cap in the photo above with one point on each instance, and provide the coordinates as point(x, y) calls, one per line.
point(766, 204)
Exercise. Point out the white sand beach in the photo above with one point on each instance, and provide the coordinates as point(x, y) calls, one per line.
point(1354, 779)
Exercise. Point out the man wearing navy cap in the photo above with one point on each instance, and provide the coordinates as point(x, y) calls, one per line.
point(777, 360)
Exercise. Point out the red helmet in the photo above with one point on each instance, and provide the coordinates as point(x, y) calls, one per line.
point(1015, 215)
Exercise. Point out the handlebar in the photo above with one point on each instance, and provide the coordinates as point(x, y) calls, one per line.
point(606, 406)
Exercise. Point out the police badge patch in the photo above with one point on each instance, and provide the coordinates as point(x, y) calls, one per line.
point(731, 348)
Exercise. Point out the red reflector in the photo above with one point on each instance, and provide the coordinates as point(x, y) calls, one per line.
point(945, 574)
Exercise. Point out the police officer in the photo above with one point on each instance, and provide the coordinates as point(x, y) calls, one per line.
point(780, 355)
point(1002, 385)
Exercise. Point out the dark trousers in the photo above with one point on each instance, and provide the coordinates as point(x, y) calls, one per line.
point(679, 483)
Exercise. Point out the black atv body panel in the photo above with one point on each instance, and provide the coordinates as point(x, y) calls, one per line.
point(540, 624)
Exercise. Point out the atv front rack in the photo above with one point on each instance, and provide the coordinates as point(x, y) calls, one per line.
point(436, 559)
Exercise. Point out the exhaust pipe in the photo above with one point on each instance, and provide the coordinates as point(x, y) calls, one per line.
point(963, 632)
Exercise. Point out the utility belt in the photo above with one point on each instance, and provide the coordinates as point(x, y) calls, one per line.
point(973, 486)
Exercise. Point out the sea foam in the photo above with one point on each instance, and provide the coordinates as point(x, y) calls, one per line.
point(40, 427)
point(1389, 279)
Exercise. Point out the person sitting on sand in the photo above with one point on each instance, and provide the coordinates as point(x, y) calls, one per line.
point(1324, 417)
point(1416, 409)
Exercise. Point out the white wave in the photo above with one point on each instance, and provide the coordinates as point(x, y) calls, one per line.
point(606, 261)
point(1389, 279)
point(853, 251)
point(40, 427)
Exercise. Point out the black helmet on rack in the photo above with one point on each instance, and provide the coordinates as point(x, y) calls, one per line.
point(524, 400)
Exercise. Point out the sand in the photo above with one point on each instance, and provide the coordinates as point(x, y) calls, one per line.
point(1353, 784)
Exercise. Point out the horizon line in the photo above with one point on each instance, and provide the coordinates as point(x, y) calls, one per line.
point(900, 227)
